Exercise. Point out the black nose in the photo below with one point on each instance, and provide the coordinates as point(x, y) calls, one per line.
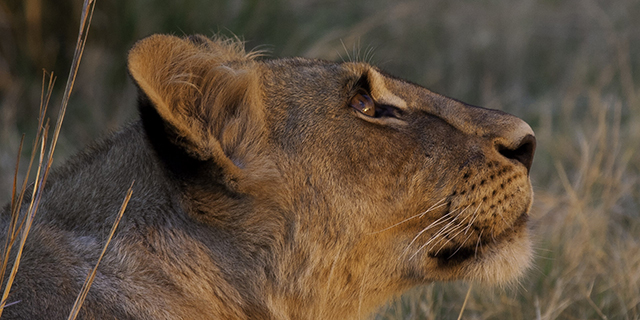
point(522, 152)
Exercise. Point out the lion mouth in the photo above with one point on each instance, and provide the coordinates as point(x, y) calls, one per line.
point(456, 253)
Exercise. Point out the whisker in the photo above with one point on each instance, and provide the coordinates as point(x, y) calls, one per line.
point(442, 246)
point(466, 230)
point(433, 207)
point(460, 247)
point(452, 237)
point(442, 230)
point(451, 230)
point(435, 237)
point(422, 246)
point(368, 57)
point(436, 242)
point(475, 254)
point(346, 51)
point(461, 224)
point(433, 224)
point(455, 228)
point(426, 244)
point(475, 216)
point(501, 216)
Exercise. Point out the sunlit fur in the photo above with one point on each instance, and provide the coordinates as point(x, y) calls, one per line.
point(260, 193)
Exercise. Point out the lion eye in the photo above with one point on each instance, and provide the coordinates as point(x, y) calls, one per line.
point(363, 103)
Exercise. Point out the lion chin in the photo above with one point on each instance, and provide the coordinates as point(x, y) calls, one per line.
point(276, 189)
point(501, 264)
point(506, 265)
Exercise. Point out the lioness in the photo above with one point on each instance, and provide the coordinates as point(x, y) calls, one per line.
point(277, 189)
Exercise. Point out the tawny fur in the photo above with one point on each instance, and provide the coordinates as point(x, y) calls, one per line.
point(261, 192)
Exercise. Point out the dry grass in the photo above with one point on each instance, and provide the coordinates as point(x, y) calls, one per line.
point(91, 276)
point(569, 67)
point(21, 220)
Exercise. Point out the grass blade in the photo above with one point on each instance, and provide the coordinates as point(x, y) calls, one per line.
point(44, 164)
point(464, 304)
point(91, 276)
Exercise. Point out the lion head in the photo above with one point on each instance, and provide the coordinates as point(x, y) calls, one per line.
point(345, 185)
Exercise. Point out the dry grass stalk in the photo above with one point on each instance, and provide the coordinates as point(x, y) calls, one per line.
point(44, 164)
point(31, 212)
point(85, 22)
point(16, 203)
point(464, 304)
point(91, 276)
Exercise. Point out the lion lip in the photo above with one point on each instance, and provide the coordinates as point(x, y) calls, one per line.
point(455, 254)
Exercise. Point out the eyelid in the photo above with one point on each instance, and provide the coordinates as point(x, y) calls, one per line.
point(382, 110)
point(361, 85)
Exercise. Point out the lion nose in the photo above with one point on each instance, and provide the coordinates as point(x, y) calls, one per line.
point(518, 144)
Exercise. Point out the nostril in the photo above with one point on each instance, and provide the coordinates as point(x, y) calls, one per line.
point(522, 153)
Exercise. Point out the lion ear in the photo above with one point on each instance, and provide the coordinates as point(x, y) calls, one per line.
point(203, 91)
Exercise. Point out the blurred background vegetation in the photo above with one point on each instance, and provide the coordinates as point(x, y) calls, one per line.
point(571, 68)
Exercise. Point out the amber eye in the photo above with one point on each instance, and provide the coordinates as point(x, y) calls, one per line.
point(363, 103)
